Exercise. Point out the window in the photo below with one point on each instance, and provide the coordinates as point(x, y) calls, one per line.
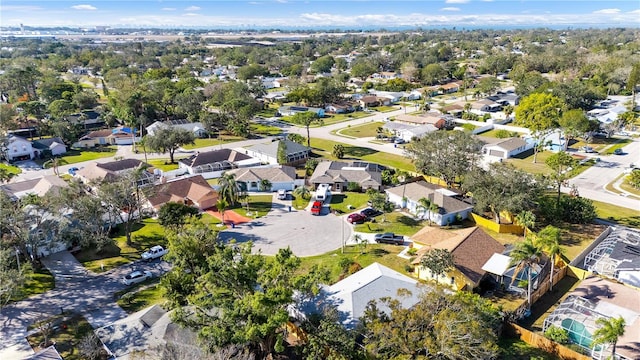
point(453, 280)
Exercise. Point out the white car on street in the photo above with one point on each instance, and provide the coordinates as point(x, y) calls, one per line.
point(136, 277)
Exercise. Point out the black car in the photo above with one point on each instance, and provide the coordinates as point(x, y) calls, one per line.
point(369, 212)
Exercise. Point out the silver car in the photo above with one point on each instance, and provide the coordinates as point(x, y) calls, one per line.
point(136, 276)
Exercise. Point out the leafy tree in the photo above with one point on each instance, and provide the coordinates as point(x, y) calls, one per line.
point(634, 178)
point(338, 151)
point(11, 278)
point(169, 139)
point(525, 255)
point(306, 119)
point(632, 83)
point(6, 175)
point(549, 239)
point(229, 188)
point(323, 64)
point(557, 334)
point(559, 163)
point(526, 219)
point(87, 99)
point(362, 68)
point(438, 261)
point(310, 166)
point(441, 325)
point(297, 138)
point(487, 85)
point(328, 338)
point(573, 123)
point(8, 115)
point(539, 113)
point(174, 215)
point(61, 108)
point(433, 73)
point(610, 330)
point(251, 71)
point(502, 188)
point(448, 155)
point(529, 83)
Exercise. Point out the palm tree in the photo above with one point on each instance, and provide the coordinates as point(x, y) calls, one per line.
point(303, 192)
point(549, 238)
point(265, 185)
point(427, 206)
point(525, 255)
point(527, 220)
point(229, 188)
point(222, 205)
point(611, 329)
point(54, 162)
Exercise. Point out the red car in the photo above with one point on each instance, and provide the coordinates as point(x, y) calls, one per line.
point(316, 208)
point(356, 218)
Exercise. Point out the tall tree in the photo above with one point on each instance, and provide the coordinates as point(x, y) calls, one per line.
point(610, 330)
point(168, 140)
point(539, 113)
point(438, 261)
point(174, 215)
point(265, 185)
point(306, 119)
point(549, 238)
point(525, 256)
point(448, 155)
point(559, 163)
point(428, 207)
point(229, 188)
point(526, 219)
point(573, 123)
point(632, 83)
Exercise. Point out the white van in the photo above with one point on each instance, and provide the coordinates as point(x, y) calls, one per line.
point(322, 192)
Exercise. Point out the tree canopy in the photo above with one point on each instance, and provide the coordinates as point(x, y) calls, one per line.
point(168, 140)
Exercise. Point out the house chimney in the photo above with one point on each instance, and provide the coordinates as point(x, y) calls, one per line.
point(438, 198)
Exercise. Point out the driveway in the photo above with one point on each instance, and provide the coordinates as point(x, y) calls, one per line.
point(305, 234)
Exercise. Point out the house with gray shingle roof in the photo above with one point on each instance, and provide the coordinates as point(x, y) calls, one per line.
point(450, 204)
point(212, 163)
point(507, 148)
point(39, 186)
point(281, 177)
point(54, 146)
point(268, 152)
point(338, 174)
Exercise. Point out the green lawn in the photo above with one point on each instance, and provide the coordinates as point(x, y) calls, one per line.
point(395, 222)
point(331, 119)
point(163, 164)
point(265, 130)
point(38, 282)
point(384, 254)
point(619, 144)
point(145, 235)
point(599, 144)
point(67, 334)
point(341, 202)
point(626, 186)
point(257, 203)
point(621, 215)
point(364, 130)
point(75, 156)
point(10, 168)
point(299, 203)
point(143, 295)
point(325, 147)
point(516, 349)
point(385, 108)
point(200, 143)
point(525, 162)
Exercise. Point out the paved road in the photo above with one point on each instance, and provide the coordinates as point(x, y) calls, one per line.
point(76, 289)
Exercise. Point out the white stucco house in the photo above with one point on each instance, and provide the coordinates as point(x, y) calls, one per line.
point(281, 178)
point(506, 148)
point(18, 148)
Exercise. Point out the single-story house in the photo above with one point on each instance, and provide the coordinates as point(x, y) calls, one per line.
point(18, 148)
point(197, 128)
point(89, 119)
point(393, 96)
point(281, 177)
point(39, 186)
point(436, 119)
point(507, 148)
point(352, 294)
point(193, 191)
point(450, 87)
point(373, 101)
point(453, 109)
point(110, 170)
point(470, 247)
point(116, 136)
point(53, 146)
point(339, 108)
point(146, 332)
point(267, 153)
point(287, 110)
point(450, 204)
point(616, 255)
point(406, 131)
point(275, 96)
point(339, 174)
point(216, 161)
point(486, 105)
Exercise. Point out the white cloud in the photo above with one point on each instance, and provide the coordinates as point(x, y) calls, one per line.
point(191, 14)
point(84, 7)
point(607, 11)
point(456, 1)
point(450, 9)
point(192, 8)
point(254, 3)
point(635, 12)
point(282, 1)
point(168, 9)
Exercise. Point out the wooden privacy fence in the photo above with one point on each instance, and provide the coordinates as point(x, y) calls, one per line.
point(542, 289)
point(494, 226)
point(543, 343)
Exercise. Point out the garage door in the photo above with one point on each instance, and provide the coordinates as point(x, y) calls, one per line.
point(497, 153)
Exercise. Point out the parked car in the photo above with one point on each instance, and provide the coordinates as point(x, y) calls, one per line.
point(587, 149)
point(389, 238)
point(370, 212)
point(72, 171)
point(154, 253)
point(282, 194)
point(398, 141)
point(316, 208)
point(136, 276)
point(356, 218)
point(618, 152)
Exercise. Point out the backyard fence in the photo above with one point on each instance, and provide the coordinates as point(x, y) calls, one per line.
point(544, 287)
point(494, 226)
point(543, 343)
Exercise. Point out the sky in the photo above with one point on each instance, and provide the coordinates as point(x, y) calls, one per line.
point(351, 14)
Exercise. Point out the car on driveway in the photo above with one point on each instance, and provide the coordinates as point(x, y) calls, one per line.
point(316, 208)
point(282, 194)
point(370, 212)
point(618, 152)
point(356, 218)
point(389, 238)
point(587, 149)
point(136, 276)
point(154, 253)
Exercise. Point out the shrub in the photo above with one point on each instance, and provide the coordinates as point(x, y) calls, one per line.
point(127, 298)
point(502, 134)
point(354, 268)
point(344, 263)
point(412, 251)
point(572, 209)
point(353, 186)
point(557, 334)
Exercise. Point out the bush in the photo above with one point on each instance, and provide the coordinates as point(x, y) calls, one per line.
point(502, 134)
point(353, 186)
point(557, 334)
point(354, 268)
point(572, 209)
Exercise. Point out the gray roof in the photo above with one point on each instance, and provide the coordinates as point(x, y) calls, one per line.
point(211, 157)
point(46, 143)
point(120, 165)
point(271, 148)
point(273, 174)
point(421, 189)
point(511, 144)
point(337, 171)
point(39, 186)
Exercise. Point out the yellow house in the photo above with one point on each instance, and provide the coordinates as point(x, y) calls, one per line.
point(471, 248)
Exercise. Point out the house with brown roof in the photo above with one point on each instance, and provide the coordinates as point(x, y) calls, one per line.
point(339, 174)
point(211, 164)
point(451, 205)
point(470, 247)
point(431, 118)
point(281, 177)
point(193, 191)
point(450, 88)
point(39, 186)
point(111, 170)
point(116, 136)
